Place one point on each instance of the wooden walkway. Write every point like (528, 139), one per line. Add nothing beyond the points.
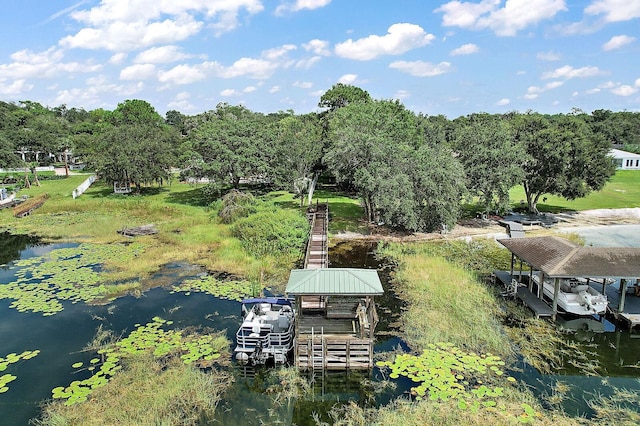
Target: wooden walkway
(539, 307)
(317, 255)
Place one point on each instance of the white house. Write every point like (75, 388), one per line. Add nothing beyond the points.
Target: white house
(625, 160)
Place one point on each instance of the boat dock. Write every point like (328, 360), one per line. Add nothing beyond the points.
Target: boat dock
(538, 306)
(336, 314)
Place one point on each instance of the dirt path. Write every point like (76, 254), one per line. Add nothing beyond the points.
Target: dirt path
(491, 229)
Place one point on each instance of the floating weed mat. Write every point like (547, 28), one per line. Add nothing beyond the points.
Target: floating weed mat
(446, 372)
(200, 350)
(12, 358)
(233, 290)
(72, 274)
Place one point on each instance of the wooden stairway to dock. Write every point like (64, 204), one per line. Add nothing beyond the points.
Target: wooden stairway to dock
(317, 255)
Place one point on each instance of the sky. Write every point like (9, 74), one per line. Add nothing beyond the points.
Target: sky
(437, 57)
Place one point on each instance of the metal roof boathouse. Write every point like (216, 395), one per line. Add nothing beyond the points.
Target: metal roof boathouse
(555, 258)
(336, 317)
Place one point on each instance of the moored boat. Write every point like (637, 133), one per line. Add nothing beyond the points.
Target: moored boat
(576, 297)
(266, 332)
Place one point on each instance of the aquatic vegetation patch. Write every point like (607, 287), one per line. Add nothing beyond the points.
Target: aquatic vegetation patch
(67, 274)
(12, 358)
(199, 350)
(147, 391)
(444, 371)
(233, 290)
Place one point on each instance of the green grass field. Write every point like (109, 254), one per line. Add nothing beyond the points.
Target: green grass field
(622, 191)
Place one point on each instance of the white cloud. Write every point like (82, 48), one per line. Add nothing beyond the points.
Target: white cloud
(181, 102)
(421, 68)
(617, 42)
(299, 5)
(503, 102)
(465, 49)
(637, 83)
(568, 72)
(308, 63)
(401, 94)
(318, 47)
(534, 91)
(399, 39)
(303, 84)
(121, 35)
(348, 79)
(127, 25)
(94, 91)
(229, 92)
(46, 64)
(117, 58)
(138, 72)
(505, 20)
(256, 68)
(275, 89)
(624, 90)
(182, 74)
(249, 89)
(548, 56)
(161, 55)
(15, 88)
(614, 10)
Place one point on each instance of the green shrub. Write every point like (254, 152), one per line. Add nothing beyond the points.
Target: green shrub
(272, 231)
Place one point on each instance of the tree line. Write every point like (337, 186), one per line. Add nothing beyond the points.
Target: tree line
(411, 171)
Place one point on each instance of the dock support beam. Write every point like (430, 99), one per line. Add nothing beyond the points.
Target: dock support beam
(623, 293)
(556, 290)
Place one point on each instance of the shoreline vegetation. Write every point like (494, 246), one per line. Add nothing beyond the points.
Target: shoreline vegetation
(447, 301)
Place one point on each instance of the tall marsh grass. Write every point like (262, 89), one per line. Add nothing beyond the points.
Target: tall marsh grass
(146, 392)
(446, 303)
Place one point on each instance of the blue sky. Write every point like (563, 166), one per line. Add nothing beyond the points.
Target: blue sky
(437, 57)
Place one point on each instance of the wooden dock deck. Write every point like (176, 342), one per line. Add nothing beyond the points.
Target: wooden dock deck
(539, 307)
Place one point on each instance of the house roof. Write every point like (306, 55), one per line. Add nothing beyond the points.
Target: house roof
(560, 258)
(618, 153)
(334, 281)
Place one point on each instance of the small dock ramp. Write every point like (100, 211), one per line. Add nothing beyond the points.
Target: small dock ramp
(514, 229)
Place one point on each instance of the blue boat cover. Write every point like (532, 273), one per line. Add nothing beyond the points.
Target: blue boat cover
(271, 300)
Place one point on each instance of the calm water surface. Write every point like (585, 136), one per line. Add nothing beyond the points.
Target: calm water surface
(62, 337)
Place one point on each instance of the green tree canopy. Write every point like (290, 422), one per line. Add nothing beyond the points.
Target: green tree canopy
(229, 145)
(563, 157)
(491, 159)
(341, 95)
(378, 146)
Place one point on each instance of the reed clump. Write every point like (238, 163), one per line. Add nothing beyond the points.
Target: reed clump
(146, 392)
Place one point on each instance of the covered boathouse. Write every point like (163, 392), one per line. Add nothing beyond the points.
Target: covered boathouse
(336, 317)
(555, 258)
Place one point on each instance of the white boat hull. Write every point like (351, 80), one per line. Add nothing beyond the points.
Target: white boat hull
(581, 299)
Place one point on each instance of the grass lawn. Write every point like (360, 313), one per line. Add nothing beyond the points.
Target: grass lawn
(345, 211)
(622, 191)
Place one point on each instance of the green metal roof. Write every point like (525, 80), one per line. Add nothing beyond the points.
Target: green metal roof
(333, 281)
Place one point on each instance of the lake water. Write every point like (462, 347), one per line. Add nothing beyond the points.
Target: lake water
(61, 338)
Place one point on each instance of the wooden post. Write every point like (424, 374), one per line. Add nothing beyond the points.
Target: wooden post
(541, 286)
(513, 258)
(531, 279)
(623, 293)
(556, 290)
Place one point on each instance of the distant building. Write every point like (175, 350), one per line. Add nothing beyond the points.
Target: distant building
(625, 160)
